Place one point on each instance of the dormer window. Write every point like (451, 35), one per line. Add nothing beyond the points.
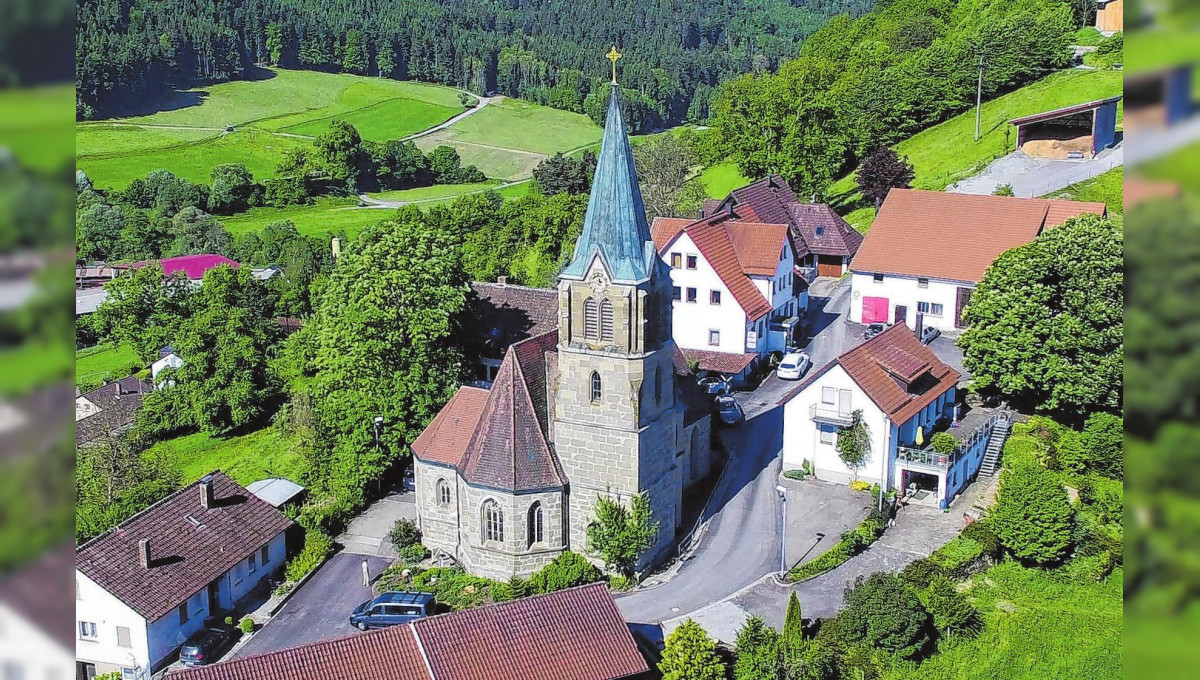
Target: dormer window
(820, 231)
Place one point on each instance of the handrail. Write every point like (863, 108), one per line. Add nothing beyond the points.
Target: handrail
(943, 460)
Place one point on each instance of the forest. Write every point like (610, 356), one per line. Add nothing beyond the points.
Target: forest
(546, 51)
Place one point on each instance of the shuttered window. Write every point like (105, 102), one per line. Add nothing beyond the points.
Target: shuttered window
(591, 319)
(606, 321)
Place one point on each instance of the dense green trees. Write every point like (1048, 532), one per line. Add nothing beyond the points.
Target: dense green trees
(861, 84)
(1032, 516)
(559, 174)
(689, 654)
(667, 178)
(142, 310)
(758, 654)
(621, 534)
(883, 613)
(1045, 323)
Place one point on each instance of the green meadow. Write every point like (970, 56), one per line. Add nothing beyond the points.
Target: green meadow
(246, 458)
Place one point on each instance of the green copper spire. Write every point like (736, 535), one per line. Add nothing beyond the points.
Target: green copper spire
(614, 227)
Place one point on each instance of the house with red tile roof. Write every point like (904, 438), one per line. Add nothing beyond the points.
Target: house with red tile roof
(735, 294)
(824, 243)
(927, 250)
(574, 634)
(902, 390)
(145, 585)
(585, 402)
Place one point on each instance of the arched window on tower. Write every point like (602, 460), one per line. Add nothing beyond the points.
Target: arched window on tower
(596, 391)
(534, 532)
(591, 319)
(606, 321)
(443, 492)
(493, 522)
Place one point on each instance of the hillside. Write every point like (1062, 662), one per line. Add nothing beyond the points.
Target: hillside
(948, 152)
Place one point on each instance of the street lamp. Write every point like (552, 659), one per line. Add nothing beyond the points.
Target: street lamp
(378, 423)
(783, 521)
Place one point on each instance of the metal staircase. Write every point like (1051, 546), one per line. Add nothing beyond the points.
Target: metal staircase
(991, 455)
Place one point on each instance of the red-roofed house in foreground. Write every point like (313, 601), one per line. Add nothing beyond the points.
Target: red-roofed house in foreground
(927, 250)
(575, 634)
(904, 392)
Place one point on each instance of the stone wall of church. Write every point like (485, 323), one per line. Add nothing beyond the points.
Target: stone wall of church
(438, 521)
(500, 560)
(697, 461)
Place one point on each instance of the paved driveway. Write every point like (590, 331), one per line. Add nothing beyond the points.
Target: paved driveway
(320, 609)
(367, 533)
(1037, 176)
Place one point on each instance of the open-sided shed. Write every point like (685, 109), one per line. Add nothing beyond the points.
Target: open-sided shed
(1158, 98)
(1079, 131)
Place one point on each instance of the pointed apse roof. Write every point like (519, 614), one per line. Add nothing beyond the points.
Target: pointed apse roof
(614, 227)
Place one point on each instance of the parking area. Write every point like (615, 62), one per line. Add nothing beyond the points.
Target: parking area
(320, 608)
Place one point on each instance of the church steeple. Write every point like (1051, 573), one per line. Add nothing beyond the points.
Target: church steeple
(614, 227)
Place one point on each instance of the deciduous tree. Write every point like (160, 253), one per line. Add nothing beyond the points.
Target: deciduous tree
(882, 171)
(667, 176)
(881, 611)
(620, 535)
(689, 654)
(854, 442)
(758, 654)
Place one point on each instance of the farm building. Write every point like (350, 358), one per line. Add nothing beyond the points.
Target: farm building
(1157, 99)
(1079, 131)
(1110, 16)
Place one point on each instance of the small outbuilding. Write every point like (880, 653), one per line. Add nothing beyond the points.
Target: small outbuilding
(1110, 16)
(1158, 99)
(276, 491)
(1079, 131)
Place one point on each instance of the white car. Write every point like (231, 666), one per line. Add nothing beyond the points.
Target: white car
(793, 366)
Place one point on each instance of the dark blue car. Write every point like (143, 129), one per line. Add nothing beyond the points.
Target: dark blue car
(391, 609)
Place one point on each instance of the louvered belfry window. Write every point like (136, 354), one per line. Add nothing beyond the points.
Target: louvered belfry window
(606, 321)
(591, 319)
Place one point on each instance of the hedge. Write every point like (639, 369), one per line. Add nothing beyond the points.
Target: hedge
(851, 543)
(317, 546)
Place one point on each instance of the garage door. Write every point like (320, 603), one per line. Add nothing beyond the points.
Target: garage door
(875, 310)
(829, 265)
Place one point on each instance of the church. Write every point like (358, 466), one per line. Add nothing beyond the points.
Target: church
(507, 478)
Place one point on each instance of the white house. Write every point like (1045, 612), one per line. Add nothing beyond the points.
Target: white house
(736, 296)
(902, 389)
(34, 643)
(144, 586)
(167, 358)
(927, 250)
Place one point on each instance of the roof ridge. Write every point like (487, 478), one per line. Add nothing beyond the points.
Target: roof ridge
(120, 525)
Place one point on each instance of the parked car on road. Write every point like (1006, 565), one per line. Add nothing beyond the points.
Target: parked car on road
(929, 334)
(205, 645)
(392, 608)
(874, 329)
(729, 411)
(714, 386)
(793, 366)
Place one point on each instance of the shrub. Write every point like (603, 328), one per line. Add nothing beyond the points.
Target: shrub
(944, 443)
(621, 583)
(958, 554)
(393, 577)
(1091, 569)
(883, 612)
(455, 589)
(851, 543)
(1033, 516)
(413, 553)
(1104, 440)
(981, 532)
(1023, 450)
(950, 609)
(796, 474)
(229, 620)
(920, 573)
(317, 547)
(859, 485)
(568, 570)
(689, 654)
(404, 534)
(247, 625)
(1004, 190)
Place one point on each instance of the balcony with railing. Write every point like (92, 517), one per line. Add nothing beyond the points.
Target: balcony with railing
(829, 415)
(926, 458)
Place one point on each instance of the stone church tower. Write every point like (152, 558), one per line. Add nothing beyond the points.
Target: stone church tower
(617, 425)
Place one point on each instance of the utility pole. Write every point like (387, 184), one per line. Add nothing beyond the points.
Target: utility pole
(783, 539)
(979, 98)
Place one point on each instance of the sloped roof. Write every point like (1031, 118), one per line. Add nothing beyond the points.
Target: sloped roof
(190, 545)
(955, 236)
(819, 230)
(757, 246)
(508, 313)
(118, 402)
(899, 374)
(574, 634)
(1065, 111)
(720, 362)
(192, 266)
(499, 438)
(35, 591)
(768, 198)
(614, 227)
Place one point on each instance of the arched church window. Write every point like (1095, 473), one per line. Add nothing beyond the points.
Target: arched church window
(443, 492)
(493, 522)
(606, 321)
(596, 386)
(591, 319)
(534, 533)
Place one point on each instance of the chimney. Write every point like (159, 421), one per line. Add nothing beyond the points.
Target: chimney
(206, 492)
(502, 280)
(336, 246)
(920, 324)
(144, 552)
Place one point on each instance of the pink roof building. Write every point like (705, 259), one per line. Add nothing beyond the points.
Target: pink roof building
(192, 266)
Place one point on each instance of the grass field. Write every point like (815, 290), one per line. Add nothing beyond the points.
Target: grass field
(269, 115)
(1036, 626)
(96, 364)
(1182, 167)
(327, 215)
(245, 458)
(35, 124)
(720, 179)
(946, 153)
(33, 364)
(1107, 188)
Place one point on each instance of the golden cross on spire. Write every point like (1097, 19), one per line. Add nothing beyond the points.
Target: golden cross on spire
(613, 55)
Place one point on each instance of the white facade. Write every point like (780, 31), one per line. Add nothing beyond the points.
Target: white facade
(29, 651)
(113, 637)
(834, 396)
(171, 360)
(937, 299)
(706, 315)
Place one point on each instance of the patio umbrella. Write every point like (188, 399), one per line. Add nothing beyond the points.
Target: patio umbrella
(920, 435)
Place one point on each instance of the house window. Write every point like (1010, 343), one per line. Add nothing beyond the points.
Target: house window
(606, 321)
(123, 639)
(714, 297)
(930, 308)
(591, 319)
(443, 492)
(128, 674)
(676, 260)
(252, 564)
(691, 294)
(877, 278)
(183, 613)
(676, 293)
(691, 261)
(595, 386)
(714, 338)
(493, 522)
(87, 631)
(828, 435)
(828, 395)
(922, 283)
(534, 528)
